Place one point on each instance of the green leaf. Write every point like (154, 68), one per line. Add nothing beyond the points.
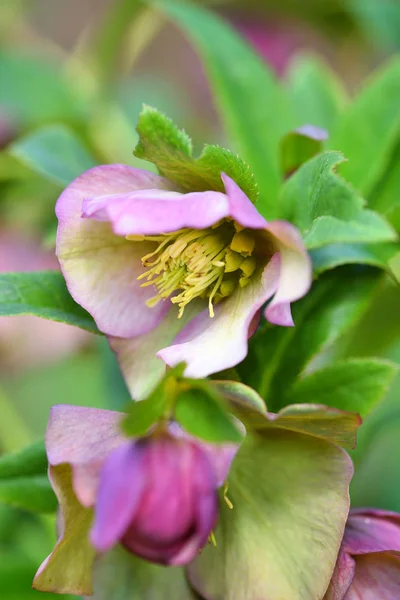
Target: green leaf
(31, 460)
(36, 90)
(285, 488)
(369, 129)
(317, 94)
(278, 355)
(251, 103)
(170, 149)
(54, 152)
(142, 415)
(386, 195)
(355, 385)
(201, 411)
(380, 19)
(335, 255)
(326, 209)
(300, 145)
(369, 227)
(122, 576)
(42, 294)
(30, 493)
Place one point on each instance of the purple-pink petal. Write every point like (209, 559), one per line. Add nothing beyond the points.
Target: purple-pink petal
(372, 531)
(211, 345)
(241, 209)
(122, 481)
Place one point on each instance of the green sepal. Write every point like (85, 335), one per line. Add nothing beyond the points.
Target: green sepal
(170, 149)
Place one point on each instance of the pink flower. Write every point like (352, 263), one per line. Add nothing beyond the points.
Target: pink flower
(158, 497)
(174, 277)
(368, 567)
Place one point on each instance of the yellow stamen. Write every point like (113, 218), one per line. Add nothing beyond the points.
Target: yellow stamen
(198, 263)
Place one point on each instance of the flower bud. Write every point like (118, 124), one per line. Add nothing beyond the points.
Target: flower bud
(158, 497)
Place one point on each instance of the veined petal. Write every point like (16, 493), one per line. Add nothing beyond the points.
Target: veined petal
(377, 577)
(296, 272)
(83, 438)
(342, 577)
(209, 345)
(372, 531)
(152, 211)
(137, 357)
(122, 481)
(100, 268)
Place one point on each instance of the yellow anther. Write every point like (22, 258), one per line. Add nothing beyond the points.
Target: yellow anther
(243, 242)
(225, 493)
(243, 281)
(233, 260)
(248, 266)
(212, 540)
(227, 287)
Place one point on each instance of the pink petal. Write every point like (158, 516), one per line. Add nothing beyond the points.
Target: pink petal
(372, 531)
(342, 577)
(241, 209)
(82, 437)
(153, 211)
(137, 357)
(377, 577)
(100, 268)
(209, 345)
(296, 272)
(122, 481)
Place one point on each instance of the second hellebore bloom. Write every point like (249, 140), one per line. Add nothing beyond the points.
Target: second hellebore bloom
(158, 496)
(172, 276)
(368, 567)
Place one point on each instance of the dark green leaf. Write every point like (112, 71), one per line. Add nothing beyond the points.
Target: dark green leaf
(170, 149)
(335, 255)
(202, 413)
(355, 385)
(54, 152)
(31, 460)
(30, 493)
(251, 103)
(42, 294)
(278, 355)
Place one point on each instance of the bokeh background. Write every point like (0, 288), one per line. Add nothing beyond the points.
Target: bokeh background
(87, 66)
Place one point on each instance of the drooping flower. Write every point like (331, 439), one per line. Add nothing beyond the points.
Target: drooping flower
(288, 468)
(156, 496)
(172, 276)
(368, 567)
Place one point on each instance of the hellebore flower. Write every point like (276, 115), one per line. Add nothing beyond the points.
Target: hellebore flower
(288, 482)
(368, 567)
(156, 496)
(172, 276)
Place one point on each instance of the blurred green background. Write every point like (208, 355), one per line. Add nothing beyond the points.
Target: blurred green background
(87, 66)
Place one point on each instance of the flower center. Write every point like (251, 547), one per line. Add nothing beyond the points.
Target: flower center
(199, 263)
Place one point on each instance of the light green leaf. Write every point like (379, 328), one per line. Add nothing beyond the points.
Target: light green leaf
(369, 227)
(278, 355)
(170, 149)
(317, 94)
(369, 129)
(30, 493)
(122, 576)
(251, 103)
(328, 210)
(201, 411)
(42, 294)
(54, 152)
(335, 255)
(290, 502)
(36, 90)
(355, 385)
(31, 460)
